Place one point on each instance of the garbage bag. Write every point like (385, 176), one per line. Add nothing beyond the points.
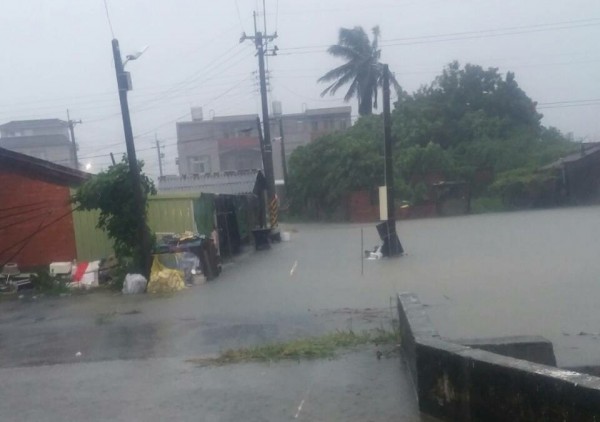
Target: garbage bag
(134, 283)
(163, 279)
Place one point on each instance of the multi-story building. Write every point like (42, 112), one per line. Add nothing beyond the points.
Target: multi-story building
(231, 143)
(302, 128)
(47, 139)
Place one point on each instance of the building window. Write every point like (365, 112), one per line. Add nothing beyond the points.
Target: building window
(315, 126)
(342, 124)
(199, 164)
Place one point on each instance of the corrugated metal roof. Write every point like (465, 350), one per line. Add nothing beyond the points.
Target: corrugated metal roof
(225, 184)
(574, 157)
(40, 169)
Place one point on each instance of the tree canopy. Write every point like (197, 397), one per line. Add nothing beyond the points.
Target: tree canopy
(111, 192)
(362, 69)
(467, 120)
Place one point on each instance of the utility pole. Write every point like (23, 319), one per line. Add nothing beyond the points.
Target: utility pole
(261, 201)
(72, 124)
(391, 242)
(160, 170)
(124, 85)
(261, 40)
(283, 160)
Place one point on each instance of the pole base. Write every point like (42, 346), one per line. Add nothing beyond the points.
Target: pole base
(391, 243)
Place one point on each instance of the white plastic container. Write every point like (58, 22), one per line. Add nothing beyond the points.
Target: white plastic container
(60, 268)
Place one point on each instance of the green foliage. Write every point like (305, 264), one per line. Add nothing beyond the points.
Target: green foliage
(308, 348)
(469, 121)
(111, 192)
(323, 172)
(487, 204)
(524, 187)
(415, 162)
(43, 282)
(362, 69)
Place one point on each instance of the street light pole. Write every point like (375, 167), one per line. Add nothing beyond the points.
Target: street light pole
(124, 85)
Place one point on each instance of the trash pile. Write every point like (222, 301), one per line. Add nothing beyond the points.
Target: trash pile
(193, 254)
(12, 280)
(179, 260)
(77, 275)
(374, 254)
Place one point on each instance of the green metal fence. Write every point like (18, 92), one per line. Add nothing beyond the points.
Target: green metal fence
(166, 214)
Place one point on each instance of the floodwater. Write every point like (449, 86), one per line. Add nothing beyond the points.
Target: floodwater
(522, 273)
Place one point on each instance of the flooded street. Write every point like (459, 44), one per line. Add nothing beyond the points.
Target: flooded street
(522, 273)
(525, 273)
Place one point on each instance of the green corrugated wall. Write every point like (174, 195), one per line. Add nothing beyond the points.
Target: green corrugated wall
(171, 214)
(92, 243)
(166, 213)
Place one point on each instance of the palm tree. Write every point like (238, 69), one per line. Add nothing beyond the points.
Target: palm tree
(362, 69)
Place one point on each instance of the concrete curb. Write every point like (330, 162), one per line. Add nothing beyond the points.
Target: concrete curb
(455, 382)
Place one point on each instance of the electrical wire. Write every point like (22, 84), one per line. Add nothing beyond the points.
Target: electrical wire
(237, 8)
(455, 36)
(29, 237)
(112, 33)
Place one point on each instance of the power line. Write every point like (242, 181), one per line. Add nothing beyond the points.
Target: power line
(177, 88)
(186, 114)
(237, 8)
(455, 36)
(545, 26)
(112, 33)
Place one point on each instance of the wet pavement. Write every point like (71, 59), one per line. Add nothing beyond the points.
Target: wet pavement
(105, 356)
(529, 273)
(354, 387)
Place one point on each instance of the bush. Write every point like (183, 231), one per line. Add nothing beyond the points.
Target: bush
(487, 204)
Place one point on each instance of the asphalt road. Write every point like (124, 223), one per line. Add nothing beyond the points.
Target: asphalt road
(106, 356)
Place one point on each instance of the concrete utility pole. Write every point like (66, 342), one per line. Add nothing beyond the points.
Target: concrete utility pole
(124, 84)
(160, 156)
(261, 40)
(391, 242)
(72, 124)
(283, 159)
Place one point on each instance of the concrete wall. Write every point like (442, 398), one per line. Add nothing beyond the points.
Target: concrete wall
(200, 137)
(58, 154)
(459, 383)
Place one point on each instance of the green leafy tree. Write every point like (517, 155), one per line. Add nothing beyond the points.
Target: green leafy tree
(111, 192)
(323, 172)
(469, 124)
(362, 69)
(463, 105)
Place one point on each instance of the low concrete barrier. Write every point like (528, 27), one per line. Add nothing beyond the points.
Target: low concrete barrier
(531, 348)
(455, 382)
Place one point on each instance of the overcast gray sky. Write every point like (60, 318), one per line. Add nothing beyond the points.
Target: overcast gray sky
(57, 55)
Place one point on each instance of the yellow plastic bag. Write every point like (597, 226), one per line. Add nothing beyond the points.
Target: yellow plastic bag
(163, 279)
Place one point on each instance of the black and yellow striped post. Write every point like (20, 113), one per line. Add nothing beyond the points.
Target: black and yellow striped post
(274, 219)
(274, 211)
